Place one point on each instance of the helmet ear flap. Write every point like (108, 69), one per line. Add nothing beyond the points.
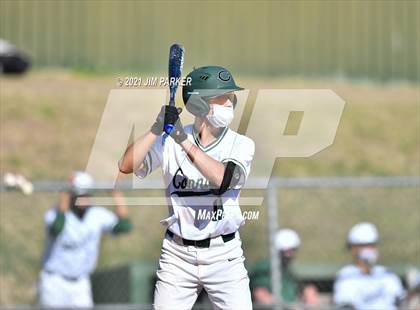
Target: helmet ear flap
(197, 106)
(235, 100)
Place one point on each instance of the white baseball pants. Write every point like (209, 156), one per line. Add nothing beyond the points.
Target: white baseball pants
(56, 292)
(185, 270)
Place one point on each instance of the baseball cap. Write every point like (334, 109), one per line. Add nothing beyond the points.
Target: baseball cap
(82, 183)
(286, 239)
(363, 233)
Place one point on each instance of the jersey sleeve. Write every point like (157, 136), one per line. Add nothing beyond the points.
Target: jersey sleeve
(345, 293)
(241, 154)
(152, 160)
(106, 219)
(50, 216)
(394, 286)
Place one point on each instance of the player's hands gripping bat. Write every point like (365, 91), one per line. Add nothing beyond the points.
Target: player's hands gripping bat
(176, 61)
(177, 132)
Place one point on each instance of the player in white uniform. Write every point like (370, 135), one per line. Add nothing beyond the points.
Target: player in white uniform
(365, 285)
(204, 166)
(73, 238)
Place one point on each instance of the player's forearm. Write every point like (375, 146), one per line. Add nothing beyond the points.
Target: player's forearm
(210, 168)
(136, 152)
(121, 209)
(64, 202)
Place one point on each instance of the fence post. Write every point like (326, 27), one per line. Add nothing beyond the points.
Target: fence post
(274, 256)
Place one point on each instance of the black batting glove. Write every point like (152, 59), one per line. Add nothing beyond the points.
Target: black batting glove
(157, 127)
(178, 133)
(171, 112)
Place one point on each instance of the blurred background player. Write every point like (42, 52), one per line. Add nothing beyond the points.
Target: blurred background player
(74, 232)
(363, 284)
(12, 59)
(287, 242)
(412, 297)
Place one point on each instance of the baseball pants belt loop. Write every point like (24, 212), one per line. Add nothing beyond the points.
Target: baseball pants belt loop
(205, 243)
(70, 279)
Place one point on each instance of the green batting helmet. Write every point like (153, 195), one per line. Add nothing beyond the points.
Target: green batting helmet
(206, 81)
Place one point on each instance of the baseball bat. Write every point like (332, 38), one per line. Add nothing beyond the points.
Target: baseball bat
(176, 61)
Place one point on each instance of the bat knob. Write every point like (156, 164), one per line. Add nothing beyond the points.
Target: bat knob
(168, 128)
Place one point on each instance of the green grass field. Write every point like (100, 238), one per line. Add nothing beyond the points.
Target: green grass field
(49, 121)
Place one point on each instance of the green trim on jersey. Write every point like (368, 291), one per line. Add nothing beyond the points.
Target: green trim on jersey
(211, 145)
(57, 226)
(123, 226)
(149, 164)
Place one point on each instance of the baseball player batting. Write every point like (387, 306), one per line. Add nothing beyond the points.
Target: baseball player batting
(204, 166)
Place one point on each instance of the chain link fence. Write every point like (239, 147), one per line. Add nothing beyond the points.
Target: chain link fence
(366, 39)
(321, 210)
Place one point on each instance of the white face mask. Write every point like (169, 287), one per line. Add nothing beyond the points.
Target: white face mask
(368, 255)
(222, 115)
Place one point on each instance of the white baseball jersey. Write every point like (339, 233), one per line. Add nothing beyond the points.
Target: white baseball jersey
(74, 252)
(377, 290)
(195, 212)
